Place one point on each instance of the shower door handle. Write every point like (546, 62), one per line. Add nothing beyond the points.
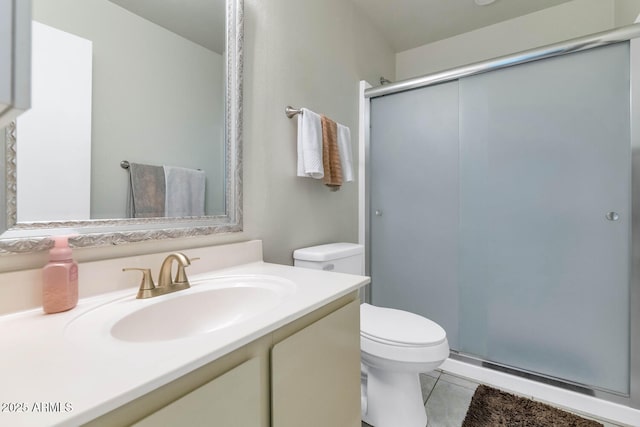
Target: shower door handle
(612, 216)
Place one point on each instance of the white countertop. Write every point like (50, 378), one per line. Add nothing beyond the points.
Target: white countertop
(49, 379)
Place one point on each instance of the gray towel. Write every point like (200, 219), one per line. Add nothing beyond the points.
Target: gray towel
(146, 191)
(184, 191)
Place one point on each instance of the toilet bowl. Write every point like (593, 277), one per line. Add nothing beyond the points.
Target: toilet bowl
(396, 346)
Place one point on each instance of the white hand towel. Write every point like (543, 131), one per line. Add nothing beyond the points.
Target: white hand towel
(310, 145)
(344, 148)
(184, 191)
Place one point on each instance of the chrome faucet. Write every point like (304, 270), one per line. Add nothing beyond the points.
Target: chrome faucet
(166, 284)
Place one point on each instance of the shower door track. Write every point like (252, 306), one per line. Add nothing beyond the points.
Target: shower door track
(557, 49)
(545, 379)
(622, 34)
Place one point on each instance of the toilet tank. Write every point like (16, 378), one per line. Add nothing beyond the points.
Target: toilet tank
(337, 257)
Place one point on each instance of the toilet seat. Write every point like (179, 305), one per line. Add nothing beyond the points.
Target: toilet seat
(398, 339)
(398, 343)
(399, 328)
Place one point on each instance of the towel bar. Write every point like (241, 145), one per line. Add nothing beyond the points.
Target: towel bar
(125, 165)
(291, 112)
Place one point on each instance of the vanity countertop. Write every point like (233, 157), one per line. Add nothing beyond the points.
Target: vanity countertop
(49, 379)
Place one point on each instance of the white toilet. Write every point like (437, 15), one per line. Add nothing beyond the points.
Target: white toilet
(395, 345)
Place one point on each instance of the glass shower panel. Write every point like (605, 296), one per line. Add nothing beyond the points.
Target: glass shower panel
(414, 203)
(545, 217)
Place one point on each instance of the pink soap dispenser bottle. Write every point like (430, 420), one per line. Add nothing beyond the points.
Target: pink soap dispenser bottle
(60, 278)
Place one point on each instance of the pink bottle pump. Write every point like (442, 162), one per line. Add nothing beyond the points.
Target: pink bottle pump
(60, 278)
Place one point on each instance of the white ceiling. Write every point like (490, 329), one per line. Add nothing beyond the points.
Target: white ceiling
(411, 23)
(405, 23)
(201, 22)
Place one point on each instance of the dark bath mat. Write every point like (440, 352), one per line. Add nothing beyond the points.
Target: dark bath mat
(492, 408)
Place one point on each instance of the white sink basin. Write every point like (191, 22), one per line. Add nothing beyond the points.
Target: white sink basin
(209, 305)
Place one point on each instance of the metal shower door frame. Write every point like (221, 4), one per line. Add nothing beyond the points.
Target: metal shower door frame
(622, 34)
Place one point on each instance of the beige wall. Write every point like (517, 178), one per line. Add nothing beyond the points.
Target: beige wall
(626, 12)
(311, 56)
(559, 23)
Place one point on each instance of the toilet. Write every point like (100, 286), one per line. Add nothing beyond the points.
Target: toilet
(395, 345)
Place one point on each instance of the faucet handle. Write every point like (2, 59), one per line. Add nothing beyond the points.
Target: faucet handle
(146, 285)
(181, 275)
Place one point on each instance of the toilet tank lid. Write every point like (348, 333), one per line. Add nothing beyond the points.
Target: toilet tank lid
(328, 252)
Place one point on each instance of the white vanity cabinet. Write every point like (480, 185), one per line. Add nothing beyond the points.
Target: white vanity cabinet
(15, 59)
(306, 373)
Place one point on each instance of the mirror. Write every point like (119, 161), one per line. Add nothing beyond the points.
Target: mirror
(122, 87)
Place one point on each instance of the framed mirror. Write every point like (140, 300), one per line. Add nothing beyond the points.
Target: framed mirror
(135, 103)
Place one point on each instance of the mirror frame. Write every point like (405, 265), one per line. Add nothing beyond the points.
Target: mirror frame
(25, 237)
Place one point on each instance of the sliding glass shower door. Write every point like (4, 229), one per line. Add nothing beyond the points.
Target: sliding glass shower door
(504, 213)
(414, 203)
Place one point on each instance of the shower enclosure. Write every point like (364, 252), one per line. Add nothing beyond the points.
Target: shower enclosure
(500, 199)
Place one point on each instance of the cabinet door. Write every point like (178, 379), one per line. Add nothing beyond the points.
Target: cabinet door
(15, 58)
(6, 24)
(315, 373)
(231, 400)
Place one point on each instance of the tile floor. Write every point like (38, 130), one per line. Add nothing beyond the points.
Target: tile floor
(447, 398)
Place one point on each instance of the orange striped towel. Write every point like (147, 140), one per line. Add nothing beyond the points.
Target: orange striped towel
(330, 154)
